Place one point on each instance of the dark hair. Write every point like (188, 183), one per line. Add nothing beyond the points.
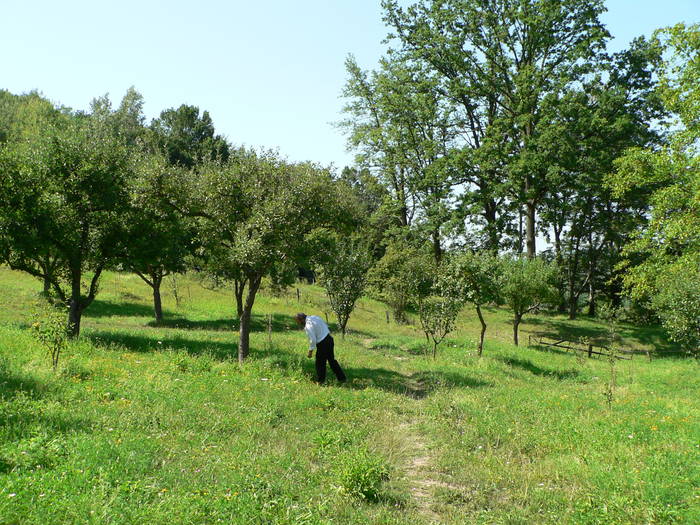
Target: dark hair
(301, 316)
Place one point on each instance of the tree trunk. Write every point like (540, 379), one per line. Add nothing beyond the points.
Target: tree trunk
(530, 219)
(561, 307)
(490, 214)
(591, 298)
(47, 285)
(244, 327)
(573, 304)
(244, 335)
(521, 244)
(437, 248)
(75, 309)
(483, 329)
(591, 272)
(239, 288)
(157, 303)
(516, 324)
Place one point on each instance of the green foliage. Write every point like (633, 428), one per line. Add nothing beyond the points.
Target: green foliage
(255, 215)
(437, 317)
(161, 237)
(474, 278)
(526, 285)
(498, 62)
(343, 274)
(671, 243)
(63, 196)
(402, 277)
(361, 474)
(187, 138)
(403, 129)
(677, 302)
(49, 327)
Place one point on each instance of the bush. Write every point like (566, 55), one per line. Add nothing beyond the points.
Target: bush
(49, 328)
(193, 364)
(361, 474)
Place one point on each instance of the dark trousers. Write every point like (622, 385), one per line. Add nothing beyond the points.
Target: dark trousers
(324, 352)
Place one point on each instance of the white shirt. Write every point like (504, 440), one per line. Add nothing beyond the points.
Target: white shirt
(316, 329)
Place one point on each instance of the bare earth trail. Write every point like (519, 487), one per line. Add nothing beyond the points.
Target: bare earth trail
(421, 474)
(419, 470)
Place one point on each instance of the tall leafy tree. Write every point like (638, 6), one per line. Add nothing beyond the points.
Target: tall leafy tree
(670, 244)
(473, 278)
(186, 138)
(68, 187)
(404, 130)
(510, 54)
(255, 214)
(588, 128)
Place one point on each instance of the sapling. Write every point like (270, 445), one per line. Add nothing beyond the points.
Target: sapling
(610, 315)
(49, 328)
(474, 278)
(437, 318)
(344, 274)
(526, 285)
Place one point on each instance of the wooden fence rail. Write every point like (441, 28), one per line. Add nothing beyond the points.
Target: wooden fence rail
(576, 346)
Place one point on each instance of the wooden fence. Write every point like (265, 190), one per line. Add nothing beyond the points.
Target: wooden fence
(591, 349)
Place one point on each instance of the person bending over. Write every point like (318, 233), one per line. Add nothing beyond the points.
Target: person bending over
(320, 339)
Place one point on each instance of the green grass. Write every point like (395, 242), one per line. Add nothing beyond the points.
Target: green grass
(159, 424)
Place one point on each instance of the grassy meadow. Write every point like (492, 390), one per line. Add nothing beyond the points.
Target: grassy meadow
(159, 424)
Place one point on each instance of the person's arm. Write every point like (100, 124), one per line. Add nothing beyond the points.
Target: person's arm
(312, 339)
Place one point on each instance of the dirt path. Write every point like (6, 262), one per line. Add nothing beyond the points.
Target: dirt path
(421, 475)
(420, 470)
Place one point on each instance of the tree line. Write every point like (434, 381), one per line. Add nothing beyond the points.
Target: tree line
(83, 192)
(490, 124)
(486, 125)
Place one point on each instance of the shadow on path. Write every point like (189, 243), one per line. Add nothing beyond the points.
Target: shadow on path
(417, 385)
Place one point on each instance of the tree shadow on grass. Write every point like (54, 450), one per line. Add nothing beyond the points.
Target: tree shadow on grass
(22, 416)
(12, 385)
(417, 385)
(100, 308)
(636, 336)
(147, 343)
(258, 323)
(529, 366)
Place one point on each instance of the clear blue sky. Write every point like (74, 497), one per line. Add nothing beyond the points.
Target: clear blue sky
(269, 72)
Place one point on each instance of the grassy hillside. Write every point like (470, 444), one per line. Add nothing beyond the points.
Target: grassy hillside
(159, 424)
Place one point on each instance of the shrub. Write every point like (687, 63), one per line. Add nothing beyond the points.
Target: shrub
(49, 328)
(361, 474)
(193, 364)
